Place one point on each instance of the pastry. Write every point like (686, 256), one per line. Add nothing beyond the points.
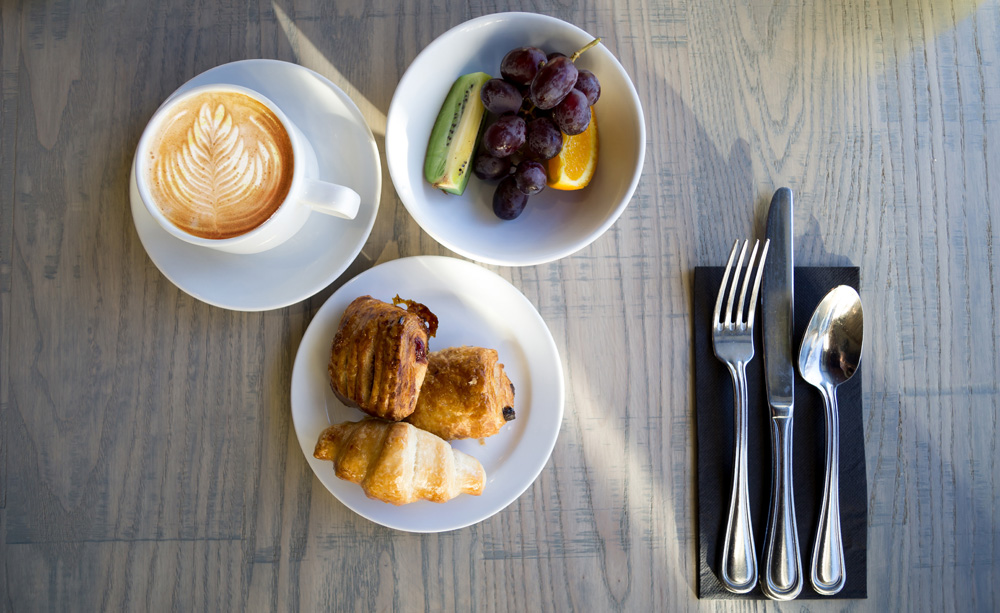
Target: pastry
(399, 463)
(379, 356)
(466, 394)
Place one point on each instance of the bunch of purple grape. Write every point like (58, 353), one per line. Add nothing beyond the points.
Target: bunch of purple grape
(540, 98)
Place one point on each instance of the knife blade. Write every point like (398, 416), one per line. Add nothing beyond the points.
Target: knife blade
(778, 305)
(782, 566)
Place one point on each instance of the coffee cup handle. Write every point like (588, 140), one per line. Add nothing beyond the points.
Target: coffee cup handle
(331, 198)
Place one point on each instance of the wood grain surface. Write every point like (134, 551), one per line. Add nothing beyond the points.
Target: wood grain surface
(148, 460)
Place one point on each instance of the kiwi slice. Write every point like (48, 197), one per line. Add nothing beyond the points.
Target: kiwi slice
(455, 135)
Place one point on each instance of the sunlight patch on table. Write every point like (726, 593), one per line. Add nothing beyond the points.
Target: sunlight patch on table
(312, 58)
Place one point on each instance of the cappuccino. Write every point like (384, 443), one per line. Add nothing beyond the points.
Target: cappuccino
(219, 164)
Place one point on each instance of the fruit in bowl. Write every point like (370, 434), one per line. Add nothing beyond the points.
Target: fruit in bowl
(540, 107)
(555, 222)
(447, 165)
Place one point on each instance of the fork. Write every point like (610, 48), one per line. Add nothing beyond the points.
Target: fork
(732, 339)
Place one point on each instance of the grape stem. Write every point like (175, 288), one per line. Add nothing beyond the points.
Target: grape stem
(584, 48)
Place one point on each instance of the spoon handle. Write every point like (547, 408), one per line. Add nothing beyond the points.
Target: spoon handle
(827, 573)
(739, 558)
(782, 564)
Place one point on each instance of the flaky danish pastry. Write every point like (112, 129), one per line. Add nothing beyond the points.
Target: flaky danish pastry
(398, 463)
(379, 356)
(466, 394)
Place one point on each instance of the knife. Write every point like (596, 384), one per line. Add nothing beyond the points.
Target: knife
(782, 566)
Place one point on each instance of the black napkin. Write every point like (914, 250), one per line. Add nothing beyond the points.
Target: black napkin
(714, 416)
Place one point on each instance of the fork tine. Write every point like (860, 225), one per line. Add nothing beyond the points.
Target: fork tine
(738, 316)
(722, 288)
(756, 283)
(736, 281)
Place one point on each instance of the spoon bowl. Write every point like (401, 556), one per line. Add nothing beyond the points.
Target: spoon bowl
(831, 345)
(830, 355)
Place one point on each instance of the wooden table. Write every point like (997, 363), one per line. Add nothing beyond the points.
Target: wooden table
(148, 459)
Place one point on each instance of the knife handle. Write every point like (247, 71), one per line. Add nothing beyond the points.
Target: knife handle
(827, 570)
(739, 556)
(782, 563)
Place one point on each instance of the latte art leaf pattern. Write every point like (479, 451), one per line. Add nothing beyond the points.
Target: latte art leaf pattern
(215, 169)
(221, 164)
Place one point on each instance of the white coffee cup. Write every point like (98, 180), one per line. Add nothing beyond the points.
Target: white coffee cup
(198, 171)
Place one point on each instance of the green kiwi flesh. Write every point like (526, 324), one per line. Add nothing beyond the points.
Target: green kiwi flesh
(455, 135)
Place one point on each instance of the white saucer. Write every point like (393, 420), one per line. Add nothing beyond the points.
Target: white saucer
(326, 246)
(475, 307)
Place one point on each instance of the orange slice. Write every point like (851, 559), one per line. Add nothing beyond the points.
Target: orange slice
(574, 166)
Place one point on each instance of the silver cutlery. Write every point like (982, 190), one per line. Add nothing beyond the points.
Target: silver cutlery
(830, 355)
(732, 340)
(782, 566)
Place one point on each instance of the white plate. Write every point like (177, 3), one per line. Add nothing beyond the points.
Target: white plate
(475, 307)
(326, 246)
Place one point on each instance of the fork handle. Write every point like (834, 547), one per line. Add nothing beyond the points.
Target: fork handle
(782, 563)
(739, 558)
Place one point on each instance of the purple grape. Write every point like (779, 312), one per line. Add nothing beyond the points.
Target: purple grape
(500, 97)
(544, 139)
(521, 64)
(552, 82)
(505, 136)
(554, 55)
(489, 168)
(589, 85)
(573, 113)
(530, 177)
(508, 201)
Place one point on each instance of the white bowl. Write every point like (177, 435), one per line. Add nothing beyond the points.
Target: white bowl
(555, 223)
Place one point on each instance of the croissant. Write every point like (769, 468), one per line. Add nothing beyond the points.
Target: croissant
(378, 358)
(466, 394)
(398, 463)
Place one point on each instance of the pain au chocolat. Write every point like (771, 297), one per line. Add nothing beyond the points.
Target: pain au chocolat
(466, 394)
(378, 359)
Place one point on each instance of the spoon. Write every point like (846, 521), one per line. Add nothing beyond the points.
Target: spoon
(830, 354)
